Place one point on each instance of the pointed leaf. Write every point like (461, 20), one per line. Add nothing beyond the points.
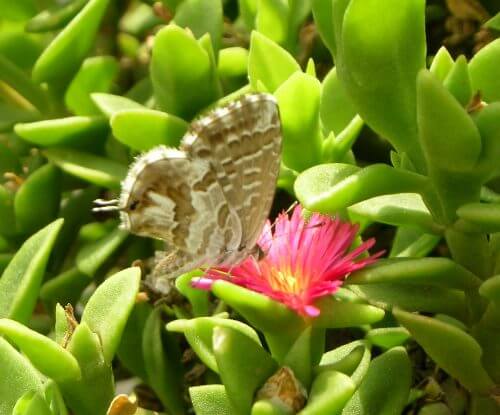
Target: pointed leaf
(21, 280)
(108, 308)
(209, 400)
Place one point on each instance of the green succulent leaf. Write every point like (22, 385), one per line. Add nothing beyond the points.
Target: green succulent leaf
(198, 298)
(46, 355)
(450, 139)
(483, 67)
(93, 255)
(21, 280)
(268, 63)
(107, 311)
(378, 60)
(388, 397)
(442, 63)
(397, 210)
(329, 393)
(302, 139)
(199, 334)
(143, 129)
(337, 313)
(55, 17)
(388, 337)
(62, 58)
(210, 399)
(327, 188)
(110, 104)
(241, 373)
(79, 131)
(94, 169)
(202, 16)
(272, 20)
(491, 289)
(458, 82)
(94, 391)
(447, 345)
(352, 359)
(434, 271)
(96, 74)
(412, 242)
(336, 108)
(23, 377)
(42, 189)
(162, 362)
(182, 72)
(31, 403)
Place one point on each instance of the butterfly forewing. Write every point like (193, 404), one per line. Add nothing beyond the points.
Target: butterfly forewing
(242, 142)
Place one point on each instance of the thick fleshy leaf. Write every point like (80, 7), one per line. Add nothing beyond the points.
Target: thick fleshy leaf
(322, 12)
(416, 297)
(450, 140)
(232, 68)
(268, 63)
(272, 20)
(328, 188)
(434, 271)
(199, 299)
(210, 399)
(66, 287)
(21, 280)
(336, 108)
(143, 129)
(378, 60)
(92, 256)
(199, 334)
(329, 393)
(182, 72)
(491, 289)
(388, 337)
(441, 64)
(8, 222)
(387, 397)
(479, 217)
(53, 397)
(45, 354)
(32, 403)
(268, 407)
(302, 139)
(131, 340)
(412, 242)
(96, 74)
(110, 104)
(43, 190)
(281, 331)
(54, 17)
(91, 168)
(488, 124)
(107, 311)
(397, 210)
(241, 373)
(65, 53)
(23, 377)
(162, 362)
(202, 16)
(458, 83)
(91, 394)
(77, 131)
(352, 359)
(16, 78)
(447, 345)
(483, 71)
(337, 313)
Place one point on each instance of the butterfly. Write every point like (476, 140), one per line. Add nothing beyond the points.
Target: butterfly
(210, 199)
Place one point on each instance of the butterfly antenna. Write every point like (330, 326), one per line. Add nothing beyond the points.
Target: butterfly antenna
(102, 205)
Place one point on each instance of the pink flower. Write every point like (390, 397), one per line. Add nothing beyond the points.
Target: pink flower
(304, 260)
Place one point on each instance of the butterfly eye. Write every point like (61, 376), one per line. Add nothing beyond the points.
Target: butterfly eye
(133, 205)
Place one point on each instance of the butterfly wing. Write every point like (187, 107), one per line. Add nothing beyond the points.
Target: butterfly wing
(170, 197)
(242, 143)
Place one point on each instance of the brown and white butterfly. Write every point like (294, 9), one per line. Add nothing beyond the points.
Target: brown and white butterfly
(209, 200)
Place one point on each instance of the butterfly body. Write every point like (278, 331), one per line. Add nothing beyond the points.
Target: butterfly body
(209, 200)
